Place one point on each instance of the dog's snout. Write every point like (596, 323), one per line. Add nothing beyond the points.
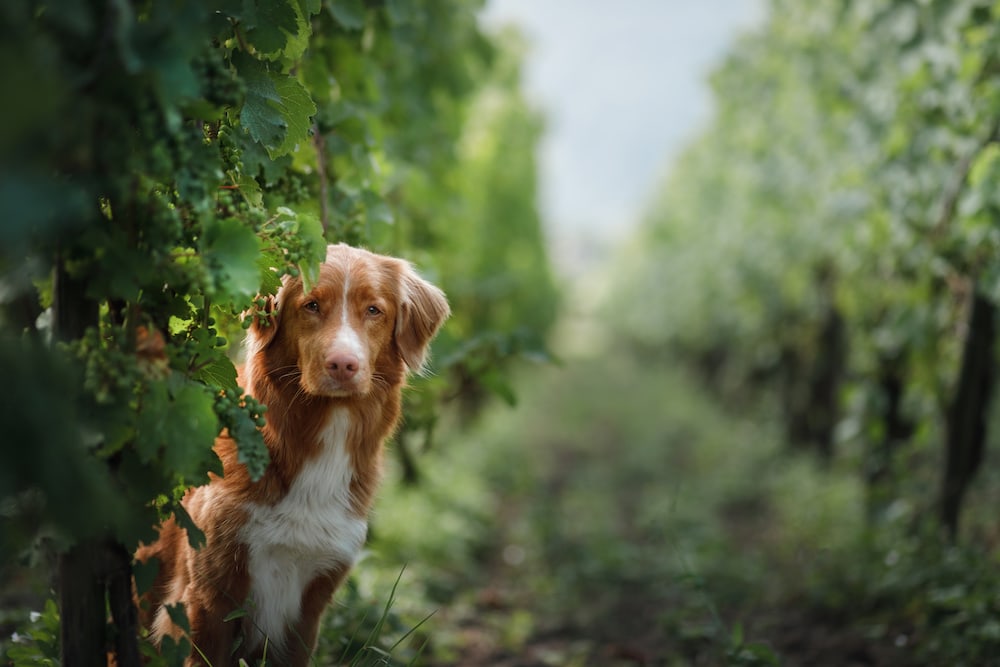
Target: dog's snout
(343, 366)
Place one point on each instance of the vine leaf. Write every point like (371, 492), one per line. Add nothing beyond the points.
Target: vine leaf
(278, 110)
(190, 431)
(279, 29)
(297, 109)
(311, 231)
(179, 425)
(273, 21)
(230, 250)
(218, 372)
(145, 573)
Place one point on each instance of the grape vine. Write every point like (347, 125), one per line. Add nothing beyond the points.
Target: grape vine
(168, 164)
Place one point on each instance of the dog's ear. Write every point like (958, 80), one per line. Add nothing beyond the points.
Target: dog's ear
(263, 316)
(423, 309)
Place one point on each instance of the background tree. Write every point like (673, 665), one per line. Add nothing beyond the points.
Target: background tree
(833, 236)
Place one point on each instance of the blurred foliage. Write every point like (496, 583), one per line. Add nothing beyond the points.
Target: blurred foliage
(168, 162)
(619, 514)
(827, 235)
(805, 280)
(624, 515)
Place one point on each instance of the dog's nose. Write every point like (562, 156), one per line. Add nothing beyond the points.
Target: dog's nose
(342, 367)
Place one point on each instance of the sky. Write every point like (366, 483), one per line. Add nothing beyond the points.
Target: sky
(623, 89)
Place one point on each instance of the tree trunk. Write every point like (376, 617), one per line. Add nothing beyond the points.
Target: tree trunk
(966, 419)
(812, 376)
(81, 587)
(122, 604)
(92, 565)
(824, 385)
(408, 463)
(896, 429)
(82, 605)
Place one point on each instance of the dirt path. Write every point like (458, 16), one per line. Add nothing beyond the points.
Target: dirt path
(645, 535)
(628, 635)
(512, 624)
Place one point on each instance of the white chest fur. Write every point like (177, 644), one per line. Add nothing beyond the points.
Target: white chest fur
(310, 530)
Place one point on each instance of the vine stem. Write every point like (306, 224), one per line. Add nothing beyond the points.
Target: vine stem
(320, 143)
(239, 36)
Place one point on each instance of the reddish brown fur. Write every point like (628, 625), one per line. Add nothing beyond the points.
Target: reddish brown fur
(286, 369)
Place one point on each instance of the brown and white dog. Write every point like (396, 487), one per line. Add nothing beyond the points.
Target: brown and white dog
(330, 366)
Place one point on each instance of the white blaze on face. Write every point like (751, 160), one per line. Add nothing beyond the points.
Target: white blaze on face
(348, 339)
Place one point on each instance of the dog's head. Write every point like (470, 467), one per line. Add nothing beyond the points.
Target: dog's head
(367, 319)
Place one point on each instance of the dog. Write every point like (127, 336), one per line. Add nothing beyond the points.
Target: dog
(330, 365)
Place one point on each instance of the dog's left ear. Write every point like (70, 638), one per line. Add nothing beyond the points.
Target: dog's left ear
(423, 309)
(263, 323)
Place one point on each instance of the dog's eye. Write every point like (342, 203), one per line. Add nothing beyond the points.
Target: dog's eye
(373, 311)
(312, 306)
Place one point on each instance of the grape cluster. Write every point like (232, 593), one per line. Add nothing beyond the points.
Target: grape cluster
(111, 371)
(229, 403)
(260, 312)
(243, 417)
(292, 188)
(195, 343)
(294, 246)
(229, 200)
(229, 148)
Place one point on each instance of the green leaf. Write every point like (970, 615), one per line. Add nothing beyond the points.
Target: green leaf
(258, 164)
(273, 21)
(190, 431)
(270, 281)
(218, 372)
(178, 616)
(151, 420)
(235, 614)
(145, 574)
(260, 115)
(349, 13)
(231, 250)
(250, 444)
(248, 188)
(196, 538)
(297, 109)
(280, 29)
(310, 230)
(278, 109)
